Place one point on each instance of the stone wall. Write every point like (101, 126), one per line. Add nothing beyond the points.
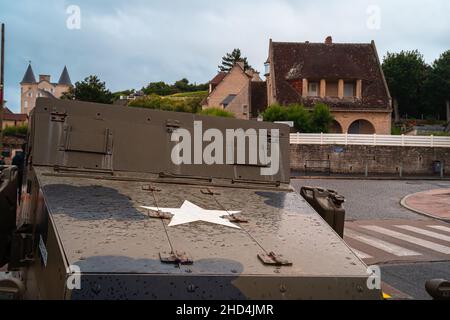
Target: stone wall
(379, 160)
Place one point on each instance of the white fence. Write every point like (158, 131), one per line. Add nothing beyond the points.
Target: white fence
(371, 140)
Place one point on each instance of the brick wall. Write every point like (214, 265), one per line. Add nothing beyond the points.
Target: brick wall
(380, 160)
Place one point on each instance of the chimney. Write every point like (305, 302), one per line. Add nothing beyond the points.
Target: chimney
(44, 77)
(329, 40)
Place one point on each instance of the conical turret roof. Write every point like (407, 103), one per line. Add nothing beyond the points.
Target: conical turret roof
(29, 75)
(64, 79)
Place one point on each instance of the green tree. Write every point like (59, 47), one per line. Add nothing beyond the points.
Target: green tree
(160, 88)
(154, 101)
(181, 86)
(91, 89)
(316, 121)
(16, 130)
(437, 85)
(406, 73)
(275, 112)
(321, 118)
(230, 59)
(301, 117)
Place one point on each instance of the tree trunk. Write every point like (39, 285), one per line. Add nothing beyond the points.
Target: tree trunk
(448, 110)
(396, 111)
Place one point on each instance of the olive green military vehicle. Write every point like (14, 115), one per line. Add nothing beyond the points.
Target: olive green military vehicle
(108, 213)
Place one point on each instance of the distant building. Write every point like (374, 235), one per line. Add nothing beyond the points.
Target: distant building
(239, 91)
(11, 119)
(345, 76)
(123, 100)
(30, 89)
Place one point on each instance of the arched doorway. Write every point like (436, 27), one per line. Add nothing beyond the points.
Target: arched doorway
(361, 127)
(336, 127)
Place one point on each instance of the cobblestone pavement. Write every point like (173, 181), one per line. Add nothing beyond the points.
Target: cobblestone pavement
(375, 199)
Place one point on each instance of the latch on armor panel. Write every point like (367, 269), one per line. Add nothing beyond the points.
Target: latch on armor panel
(172, 125)
(56, 116)
(274, 259)
(159, 215)
(236, 219)
(150, 188)
(210, 192)
(176, 258)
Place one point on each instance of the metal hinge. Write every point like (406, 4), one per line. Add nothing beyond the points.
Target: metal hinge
(58, 116)
(210, 192)
(236, 219)
(274, 259)
(172, 125)
(176, 258)
(150, 188)
(159, 215)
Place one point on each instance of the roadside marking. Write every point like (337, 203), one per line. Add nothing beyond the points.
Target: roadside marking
(382, 245)
(417, 241)
(360, 254)
(425, 232)
(442, 228)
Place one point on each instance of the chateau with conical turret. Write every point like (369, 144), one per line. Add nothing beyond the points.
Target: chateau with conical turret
(31, 89)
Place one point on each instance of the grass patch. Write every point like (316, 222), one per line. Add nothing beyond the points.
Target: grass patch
(216, 112)
(195, 94)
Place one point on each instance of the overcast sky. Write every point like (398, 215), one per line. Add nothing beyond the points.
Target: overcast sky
(130, 43)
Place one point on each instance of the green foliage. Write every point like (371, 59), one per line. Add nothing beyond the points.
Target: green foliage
(316, 121)
(275, 113)
(439, 134)
(301, 117)
(16, 131)
(191, 105)
(230, 59)
(396, 131)
(437, 86)
(160, 88)
(405, 74)
(321, 118)
(217, 112)
(195, 94)
(91, 89)
(182, 86)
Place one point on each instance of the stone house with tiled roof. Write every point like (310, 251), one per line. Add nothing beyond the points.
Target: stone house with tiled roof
(235, 91)
(11, 119)
(30, 89)
(345, 76)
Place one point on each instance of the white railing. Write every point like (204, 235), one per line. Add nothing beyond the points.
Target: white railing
(371, 140)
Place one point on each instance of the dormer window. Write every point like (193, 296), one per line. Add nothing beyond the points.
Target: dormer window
(313, 89)
(349, 89)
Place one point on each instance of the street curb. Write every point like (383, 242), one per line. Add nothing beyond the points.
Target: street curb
(426, 214)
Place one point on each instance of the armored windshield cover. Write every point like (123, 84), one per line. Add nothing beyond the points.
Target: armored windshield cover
(113, 138)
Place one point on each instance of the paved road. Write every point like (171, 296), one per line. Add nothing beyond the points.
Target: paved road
(399, 241)
(375, 199)
(411, 248)
(410, 278)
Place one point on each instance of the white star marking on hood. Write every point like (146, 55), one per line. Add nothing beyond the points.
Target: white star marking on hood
(190, 212)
